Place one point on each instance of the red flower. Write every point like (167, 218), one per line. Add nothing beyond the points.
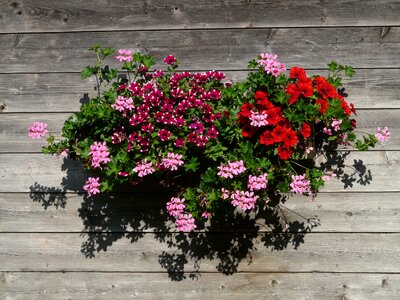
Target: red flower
(324, 105)
(260, 95)
(294, 93)
(248, 131)
(279, 133)
(305, 130)
(353, 109)
(305, 87)
(290, 138)
(318, 81)
(296, 72)
(266, 138)
(353, 123)
(284, 152)
(327, 90)
(274, 115)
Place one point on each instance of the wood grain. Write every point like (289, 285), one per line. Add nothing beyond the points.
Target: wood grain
(228, 49)
(57, 16)
(299, 286)
(45, 212)
(13, 128)
(378, 171)
(63, 92)
(113, 252)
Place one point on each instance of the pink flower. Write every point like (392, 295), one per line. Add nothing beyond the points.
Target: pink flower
(123, 104)
(92, 186)
(225, 193)
(124, 55)
(143, 168)
(231, 169)
(172, 161)
(63, 153)
(170, 60)
(327, 131)
(257, 182)
(258, 119)
(244, 199)
(336, 124)
(99, 153)
(185, 223)
(328, 176)
(164, 135)
(175, 206)
(383, 134)
(37, 130)
(206, 215)
(300, 184)
(271, 64)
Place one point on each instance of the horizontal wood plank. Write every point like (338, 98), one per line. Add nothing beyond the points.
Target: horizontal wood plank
(133, 212)
(64, 92)
(99, 286)
(14, 138)
(113, 252)
(230, 49)
(58, 16)
(373, 171)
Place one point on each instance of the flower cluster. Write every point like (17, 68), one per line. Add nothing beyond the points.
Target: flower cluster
(230, 148)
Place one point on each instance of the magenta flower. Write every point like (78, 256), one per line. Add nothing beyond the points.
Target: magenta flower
(383, 134)
(175, 206)
(92, 186)
(185, 223)
(170, 60)
(179, 143)
(244, 199)
(143, 168)
(99, 153)
(300, 184)
(37, 130)
(124, 55)
(164, 135)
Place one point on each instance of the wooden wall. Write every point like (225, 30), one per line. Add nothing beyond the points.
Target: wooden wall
(56, 245)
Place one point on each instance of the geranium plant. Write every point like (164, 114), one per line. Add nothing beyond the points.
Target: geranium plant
(243, 143)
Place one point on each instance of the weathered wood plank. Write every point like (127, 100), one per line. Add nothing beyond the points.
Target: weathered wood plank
(337, 212)
(228, 49)
(58, 16)
(13, 128)
(378, 171)
(62, 92)
(113, 252)
(299, 286)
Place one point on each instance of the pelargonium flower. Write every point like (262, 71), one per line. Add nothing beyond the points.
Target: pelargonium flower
(175, 206)
(258, 119)
(336, 124)
(92, 185)
(244, 199)
(99, 153)
(124, 55)
(170, 60)
(300, 184)
(172, 161)
(37, 130)
(225, 193)
(231, 169)
(271, 64)
(257, 182)
(123, 104)
(144, 168)
(383, 134)
(185, 222)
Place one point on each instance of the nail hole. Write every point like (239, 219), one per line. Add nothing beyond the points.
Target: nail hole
(19, 12)
(65, 20)
(14, 4)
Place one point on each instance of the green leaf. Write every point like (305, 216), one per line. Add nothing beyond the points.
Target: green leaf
(107, 51)
(88, 71)
(94, 47)
(192, 165)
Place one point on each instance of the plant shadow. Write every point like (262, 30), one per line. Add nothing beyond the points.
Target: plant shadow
(226, 242)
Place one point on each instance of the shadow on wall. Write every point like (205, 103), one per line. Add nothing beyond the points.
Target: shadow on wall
(228, 241)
